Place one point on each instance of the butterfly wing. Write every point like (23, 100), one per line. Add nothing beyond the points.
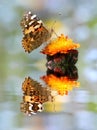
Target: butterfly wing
(34, 32)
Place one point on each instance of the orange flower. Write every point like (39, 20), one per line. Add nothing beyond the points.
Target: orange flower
(60, 45)
(62, 85)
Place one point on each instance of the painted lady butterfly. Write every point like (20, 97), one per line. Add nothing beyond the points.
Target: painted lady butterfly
(34, 32)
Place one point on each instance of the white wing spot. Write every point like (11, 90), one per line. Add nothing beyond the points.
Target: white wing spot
(40, 21)
(31, 22)
(37, 26)
(33, 16)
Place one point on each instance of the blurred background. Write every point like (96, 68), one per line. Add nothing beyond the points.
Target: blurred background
(78, 20)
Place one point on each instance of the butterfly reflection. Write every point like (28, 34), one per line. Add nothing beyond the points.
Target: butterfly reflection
(34, 95)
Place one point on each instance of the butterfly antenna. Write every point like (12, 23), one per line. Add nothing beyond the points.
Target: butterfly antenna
(52, 29)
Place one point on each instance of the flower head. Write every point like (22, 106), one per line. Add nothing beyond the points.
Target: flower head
(60, 45)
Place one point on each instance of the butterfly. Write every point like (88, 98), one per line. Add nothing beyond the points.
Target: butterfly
(35, 33)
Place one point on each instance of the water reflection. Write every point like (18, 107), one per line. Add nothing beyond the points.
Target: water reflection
(61, 77)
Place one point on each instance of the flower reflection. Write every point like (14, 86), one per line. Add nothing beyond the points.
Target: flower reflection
(60, 84)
